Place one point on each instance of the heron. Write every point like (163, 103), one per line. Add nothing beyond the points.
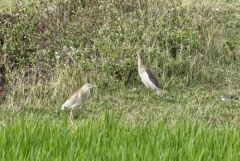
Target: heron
(147, 77)
(77, 99)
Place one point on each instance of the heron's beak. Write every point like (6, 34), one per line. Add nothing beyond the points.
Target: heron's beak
(93, 86)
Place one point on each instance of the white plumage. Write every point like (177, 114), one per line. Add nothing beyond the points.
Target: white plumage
(146, 80)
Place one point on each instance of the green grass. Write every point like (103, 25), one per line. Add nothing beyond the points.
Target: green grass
(108, 140)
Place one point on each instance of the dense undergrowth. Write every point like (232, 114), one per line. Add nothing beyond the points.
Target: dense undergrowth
(49, 49)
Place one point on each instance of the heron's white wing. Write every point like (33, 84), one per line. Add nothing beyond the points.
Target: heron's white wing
(147, 81)
(69, 103)
(153, 78)
(66, 104)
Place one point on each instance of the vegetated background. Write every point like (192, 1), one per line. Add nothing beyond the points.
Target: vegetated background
(50, 48)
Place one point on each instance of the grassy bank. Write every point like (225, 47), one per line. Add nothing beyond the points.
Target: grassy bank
(187, 44)
(136, 106)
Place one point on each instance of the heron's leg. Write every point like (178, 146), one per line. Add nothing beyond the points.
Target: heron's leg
(71, 116)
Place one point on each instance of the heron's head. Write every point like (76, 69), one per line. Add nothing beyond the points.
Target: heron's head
(88, 85)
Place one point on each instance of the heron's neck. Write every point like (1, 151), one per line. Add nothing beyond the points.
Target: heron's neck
(139, 61)
(85, 89)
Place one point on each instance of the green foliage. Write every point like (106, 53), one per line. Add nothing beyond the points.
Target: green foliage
(51, 48)
(168, 33)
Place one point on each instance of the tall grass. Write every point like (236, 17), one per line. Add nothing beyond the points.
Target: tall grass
(107, 140)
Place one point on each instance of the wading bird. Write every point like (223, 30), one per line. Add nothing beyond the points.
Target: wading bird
(78, 98)
(147, 77)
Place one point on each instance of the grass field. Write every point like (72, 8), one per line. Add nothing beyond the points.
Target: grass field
(48, 49)
(28, 139)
